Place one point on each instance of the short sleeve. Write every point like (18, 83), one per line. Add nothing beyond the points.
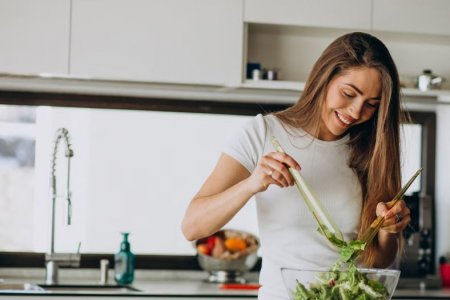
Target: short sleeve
(247, 145)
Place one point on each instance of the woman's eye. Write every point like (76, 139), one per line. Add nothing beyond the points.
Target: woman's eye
(371, 104)
(348, 95)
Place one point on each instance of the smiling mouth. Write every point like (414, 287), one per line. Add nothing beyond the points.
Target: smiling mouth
(345, 122)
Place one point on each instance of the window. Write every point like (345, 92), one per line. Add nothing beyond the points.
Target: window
(17, 161)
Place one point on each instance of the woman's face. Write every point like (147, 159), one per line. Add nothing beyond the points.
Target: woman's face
(352, 98)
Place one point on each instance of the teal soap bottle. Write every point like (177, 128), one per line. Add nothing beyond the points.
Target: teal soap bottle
(124, 261)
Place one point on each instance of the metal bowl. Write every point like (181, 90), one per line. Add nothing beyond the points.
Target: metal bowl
(228, 269)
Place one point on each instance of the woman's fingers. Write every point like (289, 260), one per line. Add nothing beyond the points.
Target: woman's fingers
(280, 163)
(396, 218)
(277, 177)
(279, 171)
(382, 209)
(275, 167)
(285, 159)
(398, 226)
(397, 223)
(272, 177)
(281, 178)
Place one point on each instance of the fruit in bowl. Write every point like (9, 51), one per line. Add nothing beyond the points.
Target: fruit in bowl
(227, 254)
(227, 244)
(351, 283)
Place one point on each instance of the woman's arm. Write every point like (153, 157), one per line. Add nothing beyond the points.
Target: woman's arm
(388, 244)
(228, 189)
(396, 220)
(223, 194)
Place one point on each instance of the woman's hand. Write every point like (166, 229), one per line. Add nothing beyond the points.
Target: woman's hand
(273, 168)
(396, 218)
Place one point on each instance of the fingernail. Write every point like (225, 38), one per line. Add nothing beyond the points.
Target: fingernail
(298, 168)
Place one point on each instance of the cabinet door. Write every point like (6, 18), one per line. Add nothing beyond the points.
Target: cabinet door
(34, 36)
(196, 41)
(352, 14)
(414, 16)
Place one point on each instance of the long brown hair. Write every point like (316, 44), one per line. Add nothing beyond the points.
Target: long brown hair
(374, 144)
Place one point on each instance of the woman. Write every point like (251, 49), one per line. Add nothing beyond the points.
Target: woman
(343, 134)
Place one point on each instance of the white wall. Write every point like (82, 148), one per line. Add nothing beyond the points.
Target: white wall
(132, 171)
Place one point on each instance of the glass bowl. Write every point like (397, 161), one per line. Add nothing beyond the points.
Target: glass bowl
(347, 284)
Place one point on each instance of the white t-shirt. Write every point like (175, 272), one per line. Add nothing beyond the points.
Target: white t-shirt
(287, 229)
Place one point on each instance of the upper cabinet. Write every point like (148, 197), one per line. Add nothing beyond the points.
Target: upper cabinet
(412, 16)
(403, 16)
(288, 36)
(34, 36)
(193, 42)
(319, 13)
(210, 42)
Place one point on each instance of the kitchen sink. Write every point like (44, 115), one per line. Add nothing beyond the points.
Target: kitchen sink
(20, 287)
(86, 288)
(66, 288)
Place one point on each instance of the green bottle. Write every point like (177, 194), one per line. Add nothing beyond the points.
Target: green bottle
(124, 262)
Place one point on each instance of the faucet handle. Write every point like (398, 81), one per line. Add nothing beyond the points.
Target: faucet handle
(64, 259)
(104, 267)
(69, 207)
(69, 152)
(79, 247)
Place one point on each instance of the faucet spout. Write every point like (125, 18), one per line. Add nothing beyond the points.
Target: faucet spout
(53, 260)
(61, 134)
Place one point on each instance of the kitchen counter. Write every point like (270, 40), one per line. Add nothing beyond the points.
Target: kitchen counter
(151, 284)
(158, 284)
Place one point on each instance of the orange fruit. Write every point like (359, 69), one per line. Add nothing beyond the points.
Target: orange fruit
(235, 244)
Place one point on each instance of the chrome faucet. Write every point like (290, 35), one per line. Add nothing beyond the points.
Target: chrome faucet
(55, 260)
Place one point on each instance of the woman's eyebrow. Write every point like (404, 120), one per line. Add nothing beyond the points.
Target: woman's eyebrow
(360, 92)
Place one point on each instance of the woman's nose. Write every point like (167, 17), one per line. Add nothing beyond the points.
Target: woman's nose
(355, 110)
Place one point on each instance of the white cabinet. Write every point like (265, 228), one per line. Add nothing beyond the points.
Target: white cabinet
(355, 14)
(407, 16)
(196, 41)
(34, 36)
(412, 16)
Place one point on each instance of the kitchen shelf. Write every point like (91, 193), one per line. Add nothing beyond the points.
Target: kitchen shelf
(293, 50)
(274, 85)
(250, 91)
(440, 95)
(435, 96)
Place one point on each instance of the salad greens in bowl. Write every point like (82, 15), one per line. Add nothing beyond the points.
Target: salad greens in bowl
(335, 284)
